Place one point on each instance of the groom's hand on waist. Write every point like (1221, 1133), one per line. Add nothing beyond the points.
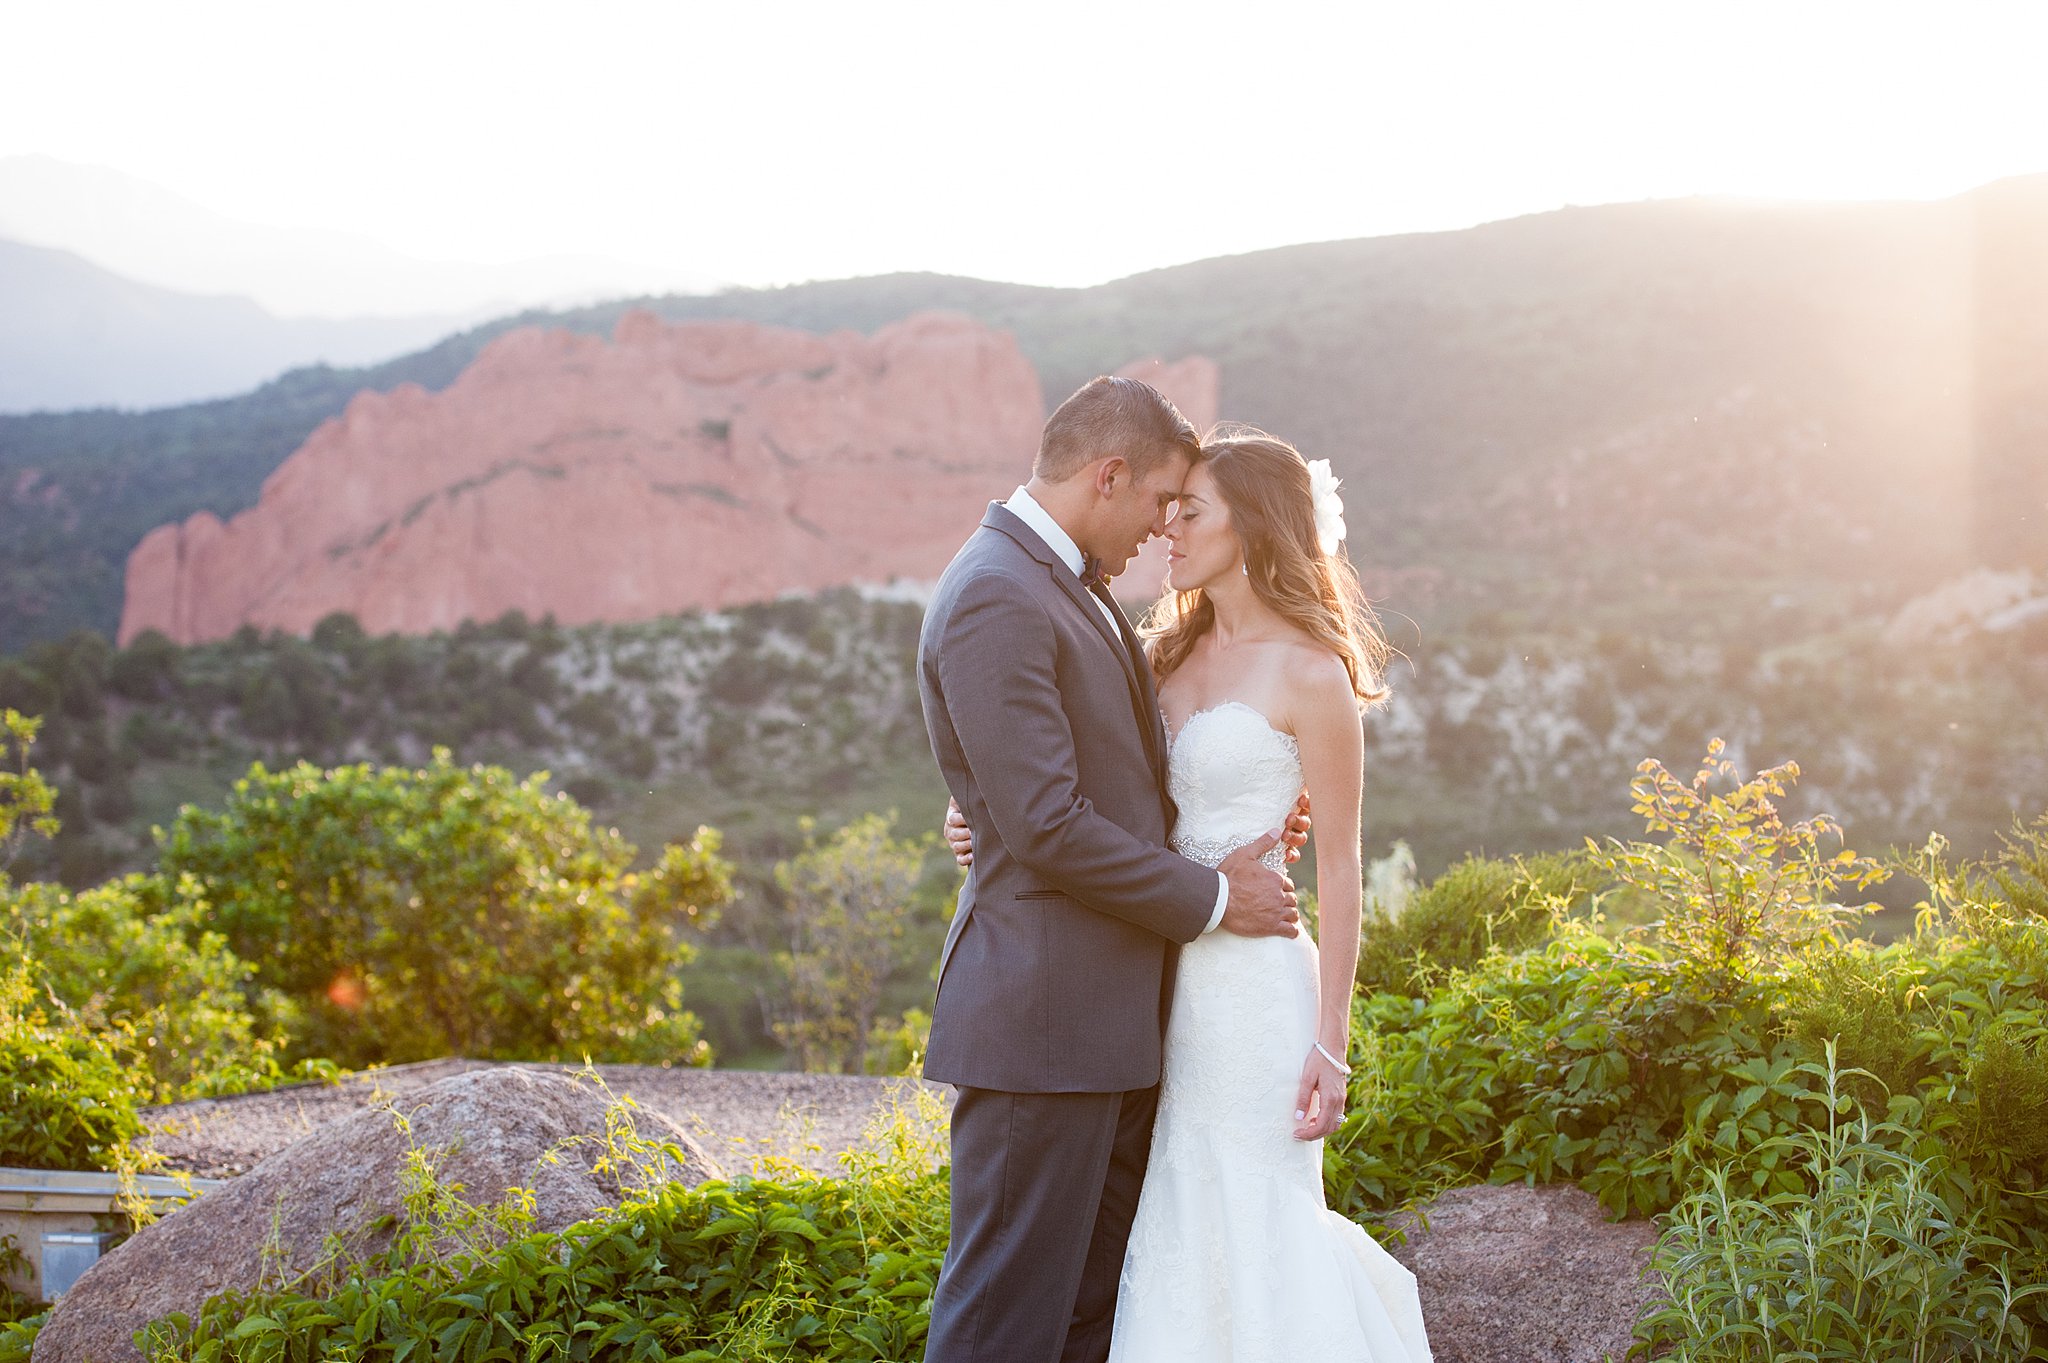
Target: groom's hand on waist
(1261, 899)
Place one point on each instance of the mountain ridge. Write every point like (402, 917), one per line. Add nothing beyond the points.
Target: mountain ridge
(77, 336)
(143, 230)
(1883, 352)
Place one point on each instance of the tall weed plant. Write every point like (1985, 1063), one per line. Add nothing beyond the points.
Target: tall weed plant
(1878, 1253)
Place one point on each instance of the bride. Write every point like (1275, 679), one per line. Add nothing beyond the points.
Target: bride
(1266, 656)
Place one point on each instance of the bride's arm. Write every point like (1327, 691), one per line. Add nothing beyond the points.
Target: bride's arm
(1332, 740)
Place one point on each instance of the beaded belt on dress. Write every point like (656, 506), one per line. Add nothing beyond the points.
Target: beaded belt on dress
(1210, 851)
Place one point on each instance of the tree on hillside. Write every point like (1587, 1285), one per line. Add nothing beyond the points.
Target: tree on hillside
(132, 962)
(848, 900)
(446, 910)
(26, 799)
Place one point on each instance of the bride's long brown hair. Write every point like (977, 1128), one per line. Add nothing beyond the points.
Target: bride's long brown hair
(1265, 483)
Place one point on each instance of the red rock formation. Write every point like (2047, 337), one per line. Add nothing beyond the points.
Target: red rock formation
(673, 467)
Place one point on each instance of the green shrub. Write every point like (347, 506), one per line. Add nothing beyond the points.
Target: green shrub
(1860, 1001)
(1574, 1061)
(66, 1098)
(1970, 903)
(1877, 1253)
(26, 799)
(18, 1337)
(1743, 893)
(14, 1306)
(899, 1048)
(2019, 871)
(134, 962)
(1631, 1063)
(1480, 904)
(847, 900)
(448, 910)
(2007, 1081)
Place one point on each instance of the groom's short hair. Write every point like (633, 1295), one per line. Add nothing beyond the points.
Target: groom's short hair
(1113, 415)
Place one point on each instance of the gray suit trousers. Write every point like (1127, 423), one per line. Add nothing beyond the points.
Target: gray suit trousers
(1044, 1189)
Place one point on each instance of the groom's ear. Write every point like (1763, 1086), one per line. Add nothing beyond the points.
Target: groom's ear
(1111, 474)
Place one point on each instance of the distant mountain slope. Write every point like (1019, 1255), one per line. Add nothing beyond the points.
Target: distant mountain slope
(73, 335)
(1662, 416)
(145, 232)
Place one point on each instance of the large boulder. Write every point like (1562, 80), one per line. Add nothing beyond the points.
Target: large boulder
(492, 1130)
(1514, 1274)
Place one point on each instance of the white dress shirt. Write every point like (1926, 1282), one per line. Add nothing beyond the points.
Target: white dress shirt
(1026, 508)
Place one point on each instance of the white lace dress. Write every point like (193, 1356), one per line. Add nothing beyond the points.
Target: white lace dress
(1234, 1257)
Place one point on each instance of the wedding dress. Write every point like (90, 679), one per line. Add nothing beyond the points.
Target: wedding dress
(1234, 1256)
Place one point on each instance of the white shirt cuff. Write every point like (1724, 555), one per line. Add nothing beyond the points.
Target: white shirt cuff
(1222, 901)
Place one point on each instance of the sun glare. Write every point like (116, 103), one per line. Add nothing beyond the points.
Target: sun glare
(811, 141)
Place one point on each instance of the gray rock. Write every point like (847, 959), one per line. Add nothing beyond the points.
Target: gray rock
(1514, 1274)
(495, 1128)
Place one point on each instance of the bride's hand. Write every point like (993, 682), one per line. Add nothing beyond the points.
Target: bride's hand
(958, 836)
(1319, 1101)
(1297, 829)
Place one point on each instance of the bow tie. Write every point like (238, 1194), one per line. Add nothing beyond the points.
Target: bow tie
(1091, 573)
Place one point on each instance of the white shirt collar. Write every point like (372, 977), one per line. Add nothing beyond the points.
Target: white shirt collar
(1026, 508)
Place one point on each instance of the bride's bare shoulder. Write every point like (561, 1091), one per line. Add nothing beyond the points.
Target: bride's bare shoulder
(1315, 680)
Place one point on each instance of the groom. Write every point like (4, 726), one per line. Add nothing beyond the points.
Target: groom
(1058, 970)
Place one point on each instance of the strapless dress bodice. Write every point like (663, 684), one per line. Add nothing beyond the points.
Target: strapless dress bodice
(1234, 777)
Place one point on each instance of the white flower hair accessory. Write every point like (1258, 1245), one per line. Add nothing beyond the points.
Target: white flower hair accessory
(1329, 507)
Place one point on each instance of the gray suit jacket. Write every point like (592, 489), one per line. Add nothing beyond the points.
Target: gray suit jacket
(1058, 968)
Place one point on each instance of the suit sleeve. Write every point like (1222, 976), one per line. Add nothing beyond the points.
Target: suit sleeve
(997, 679)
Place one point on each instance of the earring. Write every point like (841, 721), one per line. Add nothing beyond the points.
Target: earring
(1244, 568)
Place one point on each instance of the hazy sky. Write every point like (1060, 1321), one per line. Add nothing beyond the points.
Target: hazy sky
(1045, 142)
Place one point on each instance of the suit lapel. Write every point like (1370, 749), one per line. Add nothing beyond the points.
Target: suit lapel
(1144, 701)
(1149, 717)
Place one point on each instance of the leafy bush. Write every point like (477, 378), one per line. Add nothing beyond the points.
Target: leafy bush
(133, 962)
(847, 899)
(1574, 1061)
(1623, 1063)
(899, 1048)
(1744, 894)
(448, 910)
(18, 1337)
(1632, 1063)
(2018, 875)
(26, 799)
(1860, 1000)
(66, 1098)
(1479, 904)
(1696, 1062)
(14, 1307)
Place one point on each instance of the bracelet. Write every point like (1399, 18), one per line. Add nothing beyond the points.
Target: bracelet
(1342, 1068)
